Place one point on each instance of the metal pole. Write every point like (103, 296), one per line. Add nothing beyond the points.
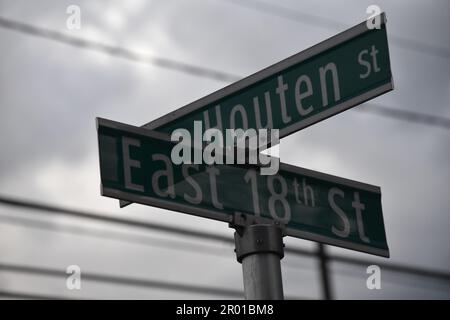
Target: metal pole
(324, 272)
(259, 248)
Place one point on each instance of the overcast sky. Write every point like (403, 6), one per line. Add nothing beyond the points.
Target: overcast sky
(50, 94)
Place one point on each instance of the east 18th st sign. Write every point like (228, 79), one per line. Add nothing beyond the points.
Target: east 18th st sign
(324, 80)
(135, 165)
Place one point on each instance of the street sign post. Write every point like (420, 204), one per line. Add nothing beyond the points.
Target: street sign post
(135, 165)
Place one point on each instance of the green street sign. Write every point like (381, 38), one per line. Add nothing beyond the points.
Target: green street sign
(326, 79)
(136, 166)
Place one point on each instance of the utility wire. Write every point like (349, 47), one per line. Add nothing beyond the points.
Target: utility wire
(135, 282)
(328, 23)
(128, 281)
(117, 236)
(56, 210)
(38, 207)
(117, 51)
(405, 115)
(391, 277)
(393, 267)
(29, 296)
(177, 245)
(194, 70)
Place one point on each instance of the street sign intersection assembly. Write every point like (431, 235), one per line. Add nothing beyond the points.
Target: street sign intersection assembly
(324, 80)
(136, 166)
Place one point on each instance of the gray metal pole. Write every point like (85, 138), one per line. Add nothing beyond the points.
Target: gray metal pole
(324, 272)
(259, 248)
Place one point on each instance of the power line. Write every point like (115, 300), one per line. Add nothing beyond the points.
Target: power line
(128, 281)
(28, 296)
(114, 235)
(422, 272)
(328, 23)
(131, 223)
(405, 115)
(173, 245)
(194, 70)
(135, 282)
(117, 51)
(214, 237)
(177, 245)
(390, 278)
(56, 210)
